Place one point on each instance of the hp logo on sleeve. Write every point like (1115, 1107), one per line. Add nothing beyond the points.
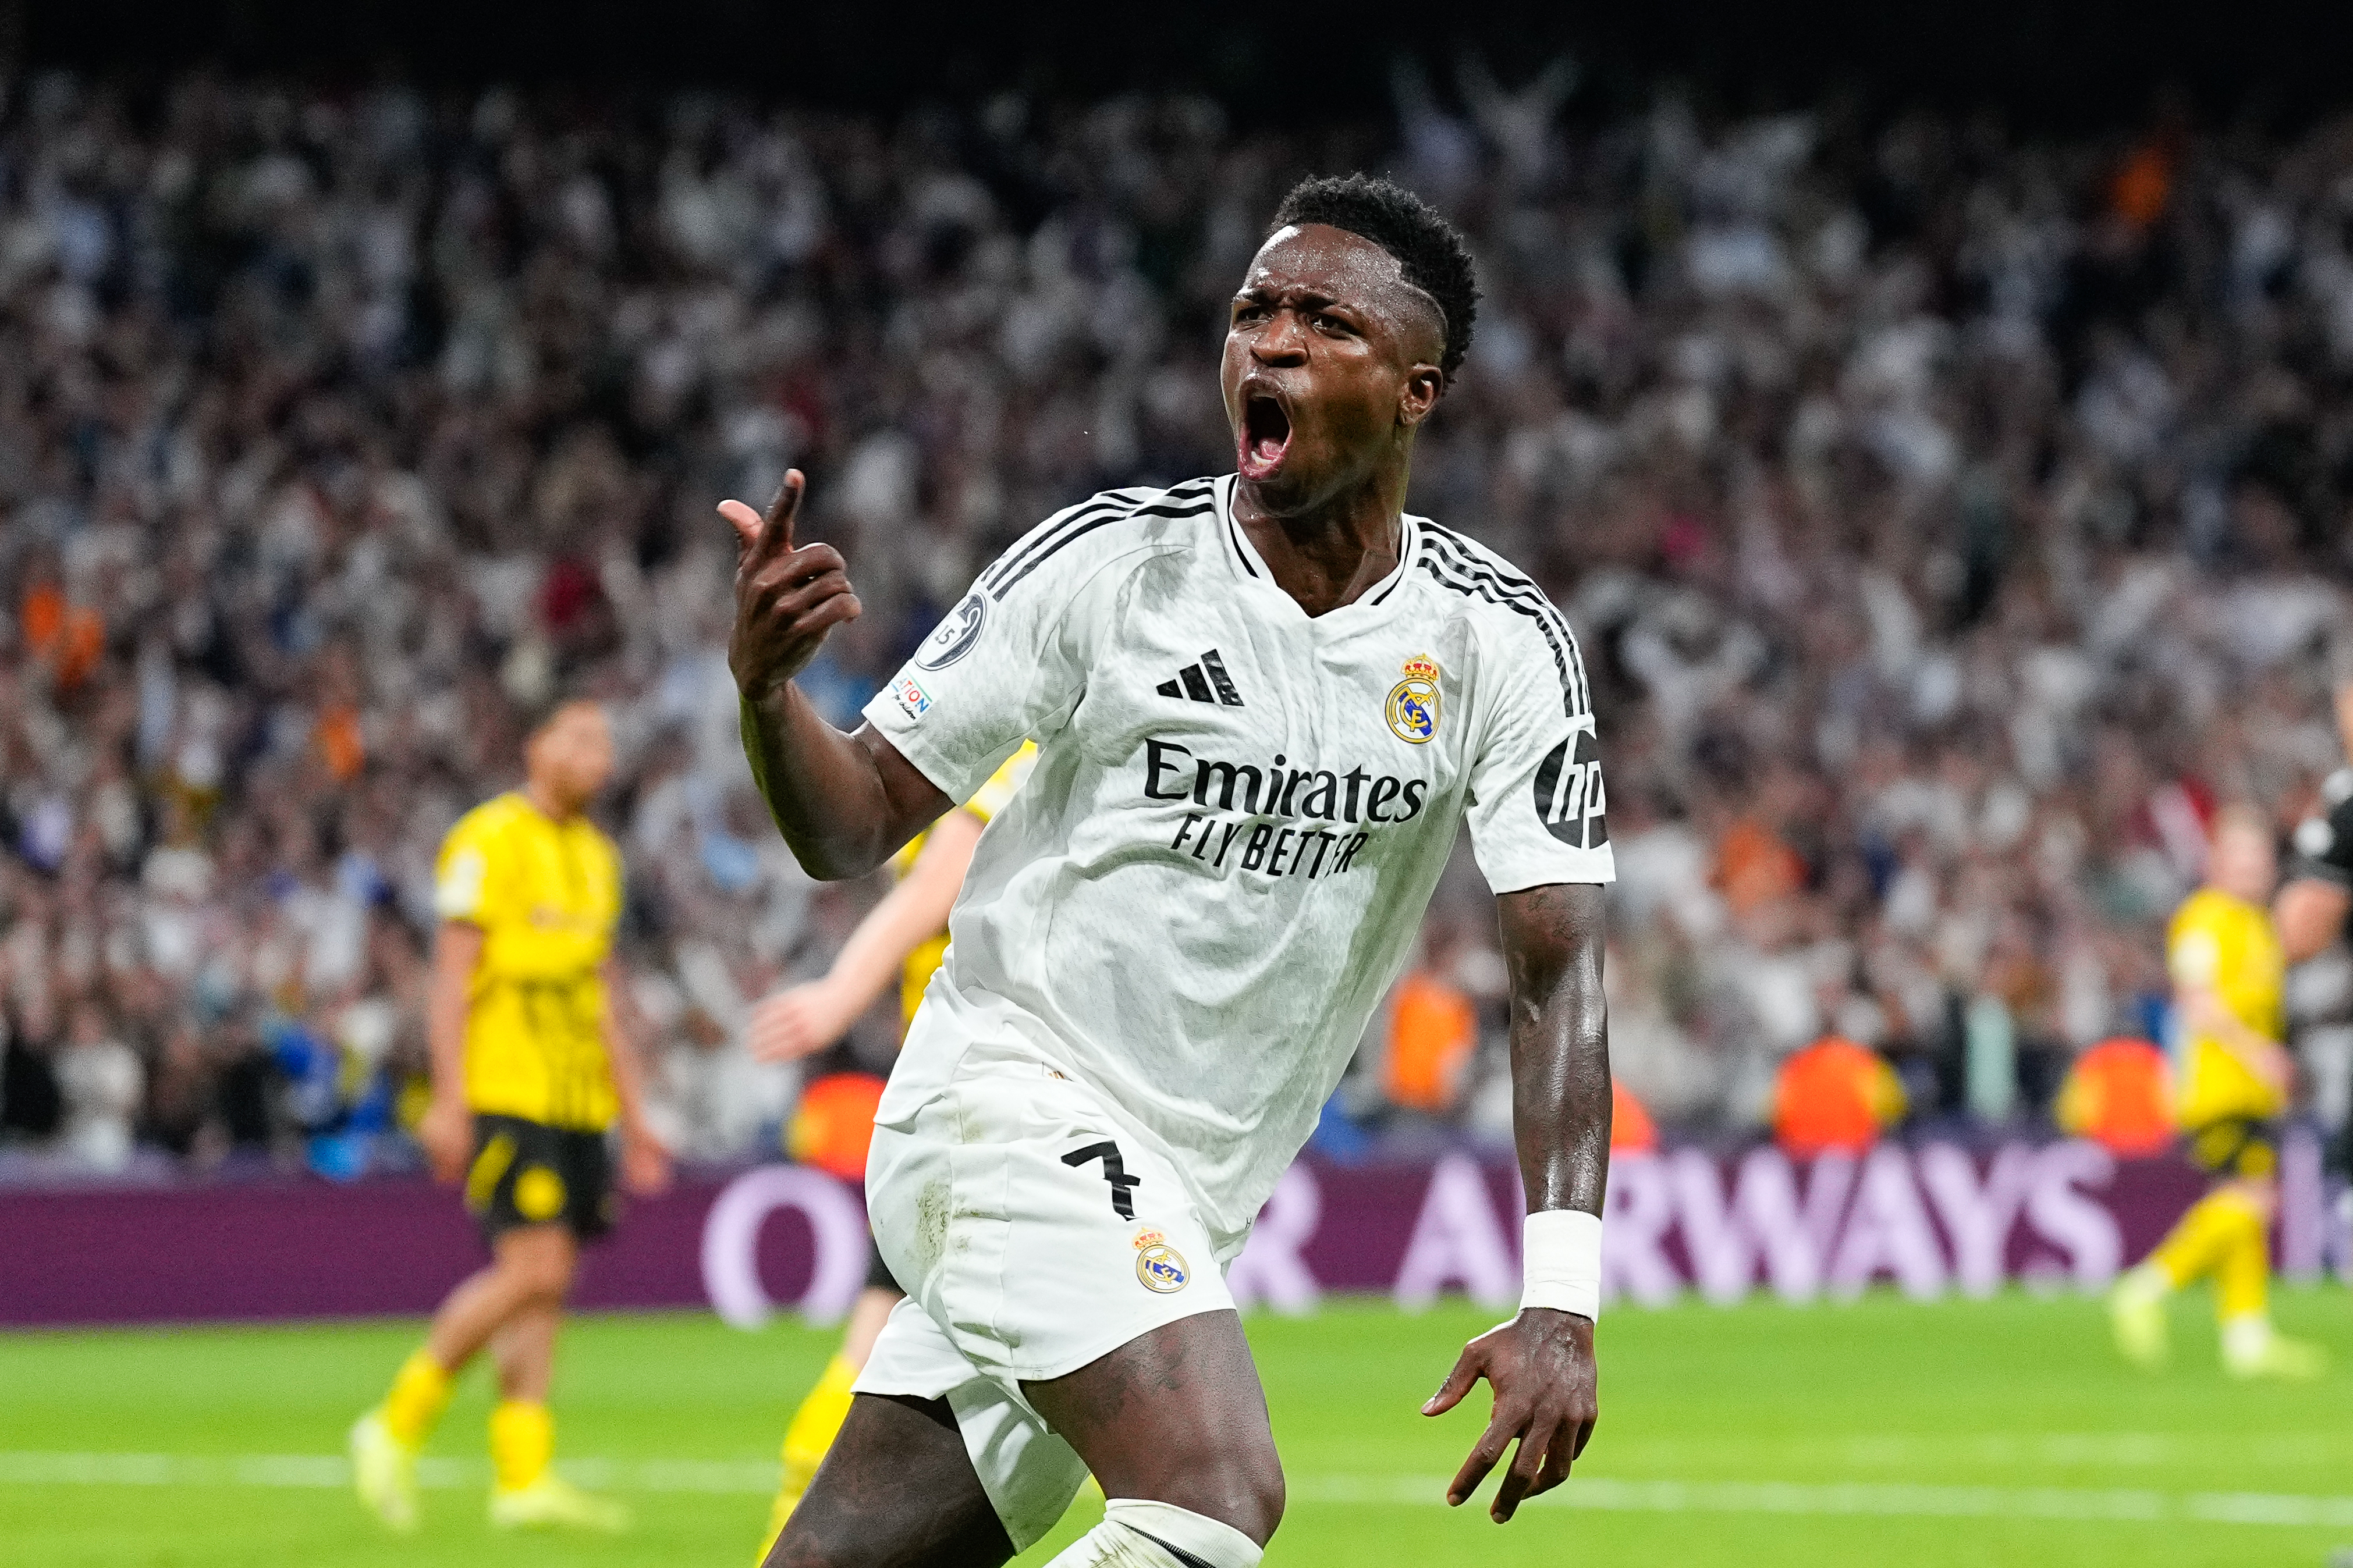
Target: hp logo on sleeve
(955, 637)
(1569, 798)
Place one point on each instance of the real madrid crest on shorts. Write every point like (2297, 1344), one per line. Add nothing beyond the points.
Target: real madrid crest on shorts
(1413, 701)
(1160, 1265)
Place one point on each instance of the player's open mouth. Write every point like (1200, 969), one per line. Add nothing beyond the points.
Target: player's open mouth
(1265, 437)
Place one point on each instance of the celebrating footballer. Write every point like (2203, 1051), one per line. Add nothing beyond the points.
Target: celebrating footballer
(1262, 703)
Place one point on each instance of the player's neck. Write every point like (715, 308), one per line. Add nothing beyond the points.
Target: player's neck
(547, 803)
(1334, 553)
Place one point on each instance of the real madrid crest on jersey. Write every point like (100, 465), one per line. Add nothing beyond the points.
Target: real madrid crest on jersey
(1413, 701)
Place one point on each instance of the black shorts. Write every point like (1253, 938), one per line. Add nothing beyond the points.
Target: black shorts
(527, 1173)
(878, 1273)
(2237, 1146)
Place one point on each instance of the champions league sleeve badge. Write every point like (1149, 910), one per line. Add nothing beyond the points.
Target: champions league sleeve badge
(1413, 701)
(955, 635)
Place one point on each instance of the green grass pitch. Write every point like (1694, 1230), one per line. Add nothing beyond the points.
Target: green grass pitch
(1883, 1432)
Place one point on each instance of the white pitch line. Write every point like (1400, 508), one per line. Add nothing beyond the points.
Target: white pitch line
(1869, 1500)
(1600, 1493)
(332, 1471)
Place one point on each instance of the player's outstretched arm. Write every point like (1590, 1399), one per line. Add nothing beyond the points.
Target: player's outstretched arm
(1540, 1364)
(844, 803)
(2206, 1012)
(629, 1040)
(802, 1020)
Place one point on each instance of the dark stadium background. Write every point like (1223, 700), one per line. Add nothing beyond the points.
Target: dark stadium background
(2058, 64)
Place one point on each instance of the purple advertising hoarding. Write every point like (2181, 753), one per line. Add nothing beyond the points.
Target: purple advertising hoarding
(1930, 1219)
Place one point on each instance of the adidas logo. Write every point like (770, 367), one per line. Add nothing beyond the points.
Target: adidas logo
(1204, 682)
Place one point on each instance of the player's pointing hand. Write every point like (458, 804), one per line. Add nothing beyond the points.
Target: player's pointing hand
(786, 598)
(1540, 1365)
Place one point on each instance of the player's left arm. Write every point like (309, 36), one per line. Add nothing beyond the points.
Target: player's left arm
(802, 1020)
(2207, 1013)
(1540, 1364)
(2195, 957)
(645, 1160)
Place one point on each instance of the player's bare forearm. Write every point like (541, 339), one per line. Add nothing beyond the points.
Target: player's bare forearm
(843, 803)
(457, 952)
(1540, 1364)
(445, 1129)
(1553, 937)
(625, 1036)
(2208, 1015)
(644, 1163)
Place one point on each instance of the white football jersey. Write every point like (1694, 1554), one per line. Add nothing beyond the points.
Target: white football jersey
(1238, 814)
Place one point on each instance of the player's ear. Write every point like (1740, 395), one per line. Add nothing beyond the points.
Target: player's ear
(1423, 385)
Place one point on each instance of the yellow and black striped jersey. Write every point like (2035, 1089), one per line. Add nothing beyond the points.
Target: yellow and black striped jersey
(547, 896)
(2222, 944)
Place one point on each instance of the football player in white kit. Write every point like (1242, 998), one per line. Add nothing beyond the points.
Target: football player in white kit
(1263, 704)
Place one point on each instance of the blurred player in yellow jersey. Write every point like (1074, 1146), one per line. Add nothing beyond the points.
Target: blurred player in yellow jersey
(530, 1072)
(2230, 979)
(904, 938)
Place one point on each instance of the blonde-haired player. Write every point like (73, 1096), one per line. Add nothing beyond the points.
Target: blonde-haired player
(530, 1071)
(2230, 979)
(903, 937)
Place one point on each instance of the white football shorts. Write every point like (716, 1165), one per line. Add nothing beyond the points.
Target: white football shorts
(1033, 1234)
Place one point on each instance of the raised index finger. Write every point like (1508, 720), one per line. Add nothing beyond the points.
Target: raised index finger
(777, 528)
(763, 537)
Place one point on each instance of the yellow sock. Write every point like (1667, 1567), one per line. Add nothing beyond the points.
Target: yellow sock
(814, 1427)
(522, 1441)
(2196, 1246)
(2242, 1279)
(420, 1391)
(819, 1421)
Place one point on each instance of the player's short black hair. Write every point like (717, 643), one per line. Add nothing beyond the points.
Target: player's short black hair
(1430, 251)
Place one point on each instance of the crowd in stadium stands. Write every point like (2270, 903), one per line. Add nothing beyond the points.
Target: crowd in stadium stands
(1952, 519)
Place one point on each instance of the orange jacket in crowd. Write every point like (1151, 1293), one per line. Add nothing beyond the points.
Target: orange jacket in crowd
(2119, 1094)
(1631, 1131)
(1433, 1032)
(1755, 866)
(340, 744)
(1834, 1094)
(70, 638)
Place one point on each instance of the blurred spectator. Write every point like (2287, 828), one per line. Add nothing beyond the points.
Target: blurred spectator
(1948, 518)
(99, 1083)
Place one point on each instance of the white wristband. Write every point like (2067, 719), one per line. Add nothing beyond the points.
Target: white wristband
(1562, 1255)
